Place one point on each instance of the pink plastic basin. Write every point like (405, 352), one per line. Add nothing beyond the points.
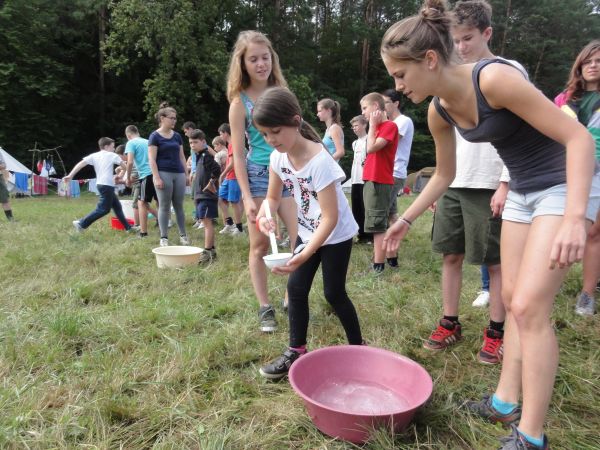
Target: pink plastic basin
(349, 390)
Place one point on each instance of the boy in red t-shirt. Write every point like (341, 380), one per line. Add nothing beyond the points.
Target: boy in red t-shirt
(229, 192)
(378, 174)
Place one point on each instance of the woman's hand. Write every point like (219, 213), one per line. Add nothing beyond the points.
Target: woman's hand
(158, 183)
(393, 236)
(569, 243)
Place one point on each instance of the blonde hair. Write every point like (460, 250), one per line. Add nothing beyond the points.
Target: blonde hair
(219, 141)
(374, 97)
(237, 76)
(334, 107)
(411, 38)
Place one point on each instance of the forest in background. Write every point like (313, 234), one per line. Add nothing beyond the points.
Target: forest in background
(74, 70)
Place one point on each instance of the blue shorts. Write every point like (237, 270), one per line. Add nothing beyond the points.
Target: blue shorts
(207, 209)
(230, 191)
(523, 208)
(258, 179)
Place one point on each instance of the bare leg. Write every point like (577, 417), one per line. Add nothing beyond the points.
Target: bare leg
(591, 258)
(534, 287)
(451, 282)
(259, 246)
(497, 311)
(143, 213)
(209, 233)
(224, 207)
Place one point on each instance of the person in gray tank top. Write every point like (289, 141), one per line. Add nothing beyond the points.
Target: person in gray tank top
(550, 159)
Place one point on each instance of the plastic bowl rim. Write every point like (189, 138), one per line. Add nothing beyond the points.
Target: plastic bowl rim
(310, 400)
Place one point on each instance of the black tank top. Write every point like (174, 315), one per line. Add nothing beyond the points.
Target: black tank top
(534, 161)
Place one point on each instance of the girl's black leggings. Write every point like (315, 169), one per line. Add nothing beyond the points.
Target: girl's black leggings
(334, 258)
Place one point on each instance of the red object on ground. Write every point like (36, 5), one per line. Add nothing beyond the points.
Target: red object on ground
(114, 223)
(350, 389)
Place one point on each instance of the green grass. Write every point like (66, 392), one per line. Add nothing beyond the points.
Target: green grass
(101, 349)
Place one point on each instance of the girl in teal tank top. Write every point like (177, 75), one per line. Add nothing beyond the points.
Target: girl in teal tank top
(259, 151)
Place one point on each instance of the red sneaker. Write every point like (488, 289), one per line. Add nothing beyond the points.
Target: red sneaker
(492, 349)
(446, 334)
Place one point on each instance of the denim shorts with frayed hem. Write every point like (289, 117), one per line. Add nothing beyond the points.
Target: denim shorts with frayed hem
(523, 208)
(258, 179)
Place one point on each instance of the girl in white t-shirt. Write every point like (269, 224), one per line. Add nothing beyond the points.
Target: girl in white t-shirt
(325, 223)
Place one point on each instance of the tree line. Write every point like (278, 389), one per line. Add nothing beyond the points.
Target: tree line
(74, 70)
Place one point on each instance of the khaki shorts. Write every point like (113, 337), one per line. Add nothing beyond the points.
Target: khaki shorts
(463, 224)
(376, 197)
(4, 196)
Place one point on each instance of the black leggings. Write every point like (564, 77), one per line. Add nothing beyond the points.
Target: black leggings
(335, 259)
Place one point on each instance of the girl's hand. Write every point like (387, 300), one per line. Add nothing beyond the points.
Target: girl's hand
(292, 265)
(265, 225)
(251, 210)
(158, 183)
(393, 236)
(569, 243)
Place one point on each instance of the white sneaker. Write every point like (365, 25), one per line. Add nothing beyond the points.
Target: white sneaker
(77, 226)
(184, 240)
(482, 300)
(228, 229)
(164, 242)
(235, 231)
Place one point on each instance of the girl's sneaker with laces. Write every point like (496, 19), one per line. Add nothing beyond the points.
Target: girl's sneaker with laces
(516, 441)
(484, 409)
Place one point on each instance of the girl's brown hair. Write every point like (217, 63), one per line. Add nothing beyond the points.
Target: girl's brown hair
(334, 107)
(163, 111)
(237, 76)
(410, 38)
(576, 84)
(278, 107)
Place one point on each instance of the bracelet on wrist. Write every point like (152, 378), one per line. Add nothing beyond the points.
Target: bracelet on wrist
(405, 220)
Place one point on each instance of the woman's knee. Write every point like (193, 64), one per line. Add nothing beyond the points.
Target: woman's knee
(528, 313)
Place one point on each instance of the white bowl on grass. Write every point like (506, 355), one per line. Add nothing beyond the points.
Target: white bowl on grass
(177, 256)
(277, 259)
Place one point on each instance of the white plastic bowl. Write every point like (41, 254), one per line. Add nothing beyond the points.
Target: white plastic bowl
(177, 255)
(277, 259)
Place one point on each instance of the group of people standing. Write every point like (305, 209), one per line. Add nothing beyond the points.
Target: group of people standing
(516, 189)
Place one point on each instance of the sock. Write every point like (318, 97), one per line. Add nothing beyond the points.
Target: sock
(501, 406)
(393, 262)
(535, 441)
(239, 226)
(301, 349)
(8, 213)
(453, 319)
(378, 267)
(229, 221)
(497, 326)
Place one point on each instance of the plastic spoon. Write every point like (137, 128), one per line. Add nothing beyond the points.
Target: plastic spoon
(271, 234)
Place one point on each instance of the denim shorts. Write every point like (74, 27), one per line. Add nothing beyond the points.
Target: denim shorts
(230, 191)
(258, 179)
(524, 208)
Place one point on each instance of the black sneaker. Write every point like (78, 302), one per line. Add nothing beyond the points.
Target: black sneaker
(266, 316)
(279, 367)
(516, 441)
(483, 408)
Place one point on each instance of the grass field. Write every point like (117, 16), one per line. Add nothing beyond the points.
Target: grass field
(101, 349)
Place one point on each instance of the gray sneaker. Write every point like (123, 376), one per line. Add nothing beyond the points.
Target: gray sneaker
(208, 256)
(586, 305)
(266, 316)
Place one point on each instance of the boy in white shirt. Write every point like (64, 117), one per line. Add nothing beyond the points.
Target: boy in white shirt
(359, 148)
(103, 162)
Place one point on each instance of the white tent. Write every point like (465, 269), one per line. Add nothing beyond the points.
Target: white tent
(14, 166)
